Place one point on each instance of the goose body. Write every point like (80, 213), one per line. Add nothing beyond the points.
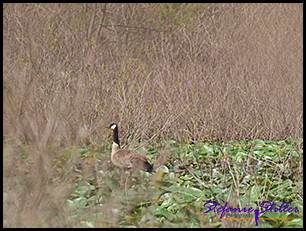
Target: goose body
(127, 159)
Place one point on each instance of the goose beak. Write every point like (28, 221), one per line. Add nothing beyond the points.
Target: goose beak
(107, 127)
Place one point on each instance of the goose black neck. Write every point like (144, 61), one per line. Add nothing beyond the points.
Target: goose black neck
(116, 139)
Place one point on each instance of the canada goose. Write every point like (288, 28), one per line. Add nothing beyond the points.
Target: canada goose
(127, 159)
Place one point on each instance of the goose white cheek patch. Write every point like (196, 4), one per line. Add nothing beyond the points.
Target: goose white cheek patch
(113, 127)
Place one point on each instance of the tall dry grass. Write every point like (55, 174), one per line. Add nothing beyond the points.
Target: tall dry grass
(190, 71)
(225, 71)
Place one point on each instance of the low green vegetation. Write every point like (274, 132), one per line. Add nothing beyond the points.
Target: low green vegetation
(95, 194)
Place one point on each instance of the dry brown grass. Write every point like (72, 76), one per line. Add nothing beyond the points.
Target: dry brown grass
(233, 72)
(192, 71)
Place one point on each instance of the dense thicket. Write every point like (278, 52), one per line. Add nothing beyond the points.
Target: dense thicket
(195, 71)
